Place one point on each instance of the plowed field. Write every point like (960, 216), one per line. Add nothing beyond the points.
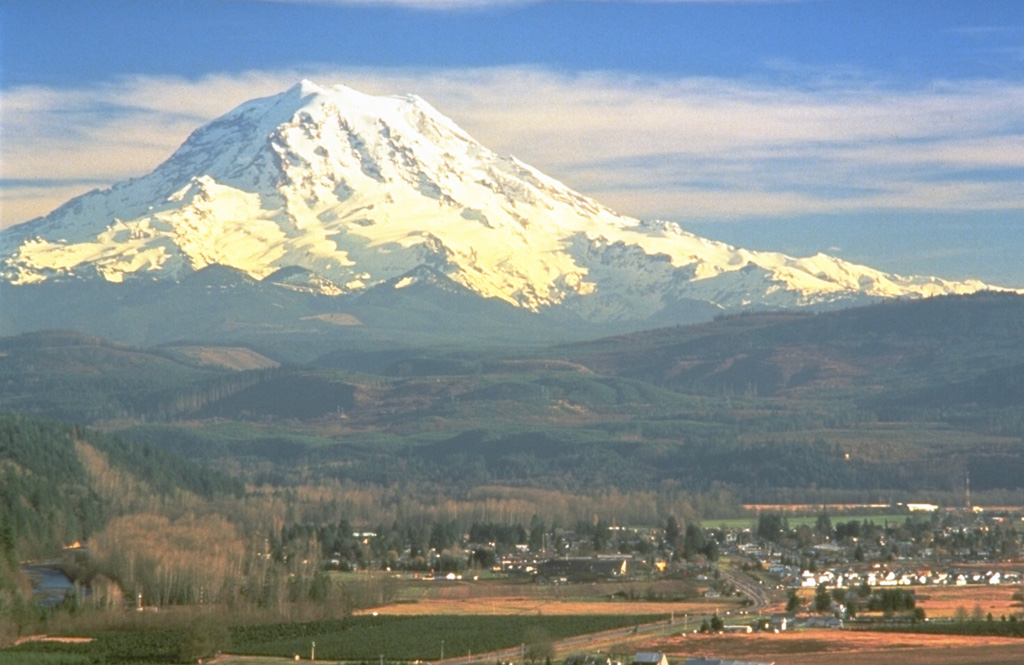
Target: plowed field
(832, 647)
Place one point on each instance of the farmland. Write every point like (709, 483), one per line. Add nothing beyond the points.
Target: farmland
(467, 619)
(363, 638)
(207, 481)
(848, 648)
(501, 598)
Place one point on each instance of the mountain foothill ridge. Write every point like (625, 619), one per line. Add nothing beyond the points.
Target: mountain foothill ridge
(329, 190)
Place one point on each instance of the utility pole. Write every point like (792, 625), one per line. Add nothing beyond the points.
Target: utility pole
(442, 649)
(312, 651)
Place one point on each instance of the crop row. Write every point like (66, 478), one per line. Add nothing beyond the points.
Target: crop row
(416, 638)
(364, 638)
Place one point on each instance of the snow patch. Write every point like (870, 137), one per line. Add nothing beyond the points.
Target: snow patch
(361, 189)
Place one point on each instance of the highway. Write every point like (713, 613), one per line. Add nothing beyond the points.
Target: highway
(759, 597)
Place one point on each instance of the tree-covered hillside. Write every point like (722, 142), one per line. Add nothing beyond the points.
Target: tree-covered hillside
(893, 348)
(83, 379)
(60, 484)
(901, 400)
(897, 402)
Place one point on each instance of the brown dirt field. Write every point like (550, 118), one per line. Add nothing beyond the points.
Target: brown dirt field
(540, 606)
(940, 602)
(51, 638)
(833, 647)
(810, 647)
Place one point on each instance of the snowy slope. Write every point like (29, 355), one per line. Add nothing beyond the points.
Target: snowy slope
(358, 190)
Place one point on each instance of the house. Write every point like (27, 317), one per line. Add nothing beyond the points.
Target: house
(590, 659)
(650, 658)
(583, 569)
(822, 622)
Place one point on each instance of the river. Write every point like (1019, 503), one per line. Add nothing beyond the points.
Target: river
(49, 584)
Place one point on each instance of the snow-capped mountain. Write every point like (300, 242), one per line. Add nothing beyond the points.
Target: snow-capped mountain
(332, 191)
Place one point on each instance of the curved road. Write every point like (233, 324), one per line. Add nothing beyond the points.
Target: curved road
(759, 596)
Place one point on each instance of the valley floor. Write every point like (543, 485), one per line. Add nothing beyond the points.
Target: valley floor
(812, 647)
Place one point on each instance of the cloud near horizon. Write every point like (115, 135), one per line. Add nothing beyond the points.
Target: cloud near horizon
(704, 149)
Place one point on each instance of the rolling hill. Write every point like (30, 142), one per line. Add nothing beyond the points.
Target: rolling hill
(897, 398)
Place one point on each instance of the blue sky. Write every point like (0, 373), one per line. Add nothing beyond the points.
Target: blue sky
(888, 133)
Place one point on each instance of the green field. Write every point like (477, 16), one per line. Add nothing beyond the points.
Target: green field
(810, 520)
(364, 638)
(11, 657)
(417, 637)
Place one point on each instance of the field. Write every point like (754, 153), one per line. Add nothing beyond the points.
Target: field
(879, 518)
(418, 637)
(946, 602)
(812, 647)
(804, 647)
(364, 638)
(517, 606)
(473, 617)
(943, 602)
(495, 597)
(815, 647)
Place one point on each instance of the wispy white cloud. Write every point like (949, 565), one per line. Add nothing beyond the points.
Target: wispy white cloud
(686, 149)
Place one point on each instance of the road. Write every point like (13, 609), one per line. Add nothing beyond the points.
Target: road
(580, 643)
(760, 598)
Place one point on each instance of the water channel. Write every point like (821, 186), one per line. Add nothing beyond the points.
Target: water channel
(49, 583)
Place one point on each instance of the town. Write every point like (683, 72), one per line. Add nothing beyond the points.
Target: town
(776, 560)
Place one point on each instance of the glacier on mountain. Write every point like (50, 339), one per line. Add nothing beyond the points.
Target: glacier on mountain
(357, 190)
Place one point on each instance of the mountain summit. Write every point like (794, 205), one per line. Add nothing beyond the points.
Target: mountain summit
(357, 191)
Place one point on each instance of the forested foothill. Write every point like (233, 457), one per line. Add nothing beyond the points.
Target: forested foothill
(195, 475)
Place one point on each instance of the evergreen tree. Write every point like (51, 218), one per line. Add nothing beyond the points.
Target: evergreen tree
(537, 531)
(693, 540)
(822, 599)
(672, 532)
